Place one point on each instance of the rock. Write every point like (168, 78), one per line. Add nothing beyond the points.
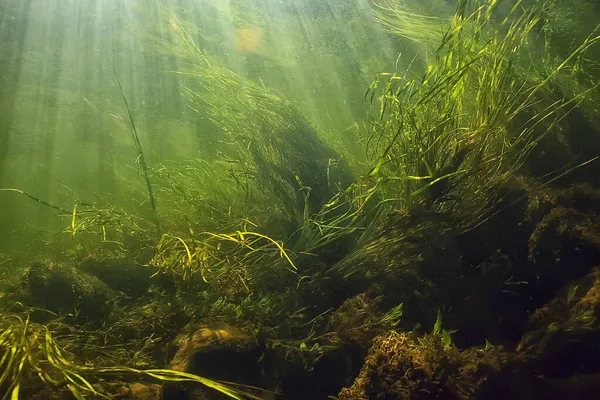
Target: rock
(563, 335)
(139, 391)
(224, 353)
(408, 366)
(565, 242)
(565, 245)
(123, 276)
(64, 289)
(359, 320)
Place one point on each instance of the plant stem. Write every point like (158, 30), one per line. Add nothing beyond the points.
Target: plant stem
(138, 147)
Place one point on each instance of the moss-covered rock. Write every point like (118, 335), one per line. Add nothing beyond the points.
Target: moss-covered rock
(558, 357)
(224, 353)
(563, 335)
(122, 275)
(408, 366)
(64, 289)
(564, 246)
(355, 322)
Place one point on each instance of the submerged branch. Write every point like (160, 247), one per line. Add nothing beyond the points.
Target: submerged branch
(35, 198)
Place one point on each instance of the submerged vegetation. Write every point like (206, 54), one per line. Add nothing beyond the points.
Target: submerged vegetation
(286, 263)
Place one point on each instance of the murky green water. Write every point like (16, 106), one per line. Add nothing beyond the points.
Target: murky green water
(299, 186)
(65, 130)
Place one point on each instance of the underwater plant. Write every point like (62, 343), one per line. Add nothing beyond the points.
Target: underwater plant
(446, 140)
(403, 21)
(472, 118)
(269, 139)
(234, 264)
(138, 147)
(34, 357)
